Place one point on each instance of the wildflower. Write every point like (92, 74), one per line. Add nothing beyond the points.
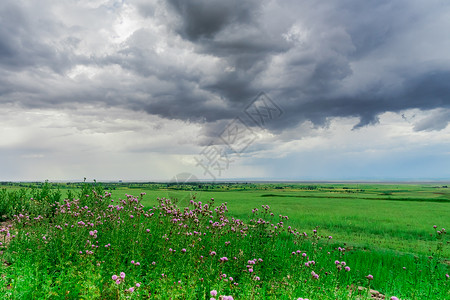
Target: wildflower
(118, 281)
(370, 277)
(347, 268)
(394, 298)
(213, 253)
(122, 275)
(250, 270)
(448, 276)
(131, 289)
(114, 277)
(183, 250)
(213, 293)
(337, 262)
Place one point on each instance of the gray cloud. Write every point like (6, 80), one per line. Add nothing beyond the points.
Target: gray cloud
(436, 121)
(26, 40)
(202, 19)
(203, 61)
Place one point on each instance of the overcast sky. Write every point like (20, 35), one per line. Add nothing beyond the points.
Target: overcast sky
(229, 89)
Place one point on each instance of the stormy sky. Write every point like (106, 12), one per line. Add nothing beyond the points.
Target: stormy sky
(255, 89)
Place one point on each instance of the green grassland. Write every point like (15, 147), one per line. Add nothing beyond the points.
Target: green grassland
(386, 231)
(374, 216)
(395, 216)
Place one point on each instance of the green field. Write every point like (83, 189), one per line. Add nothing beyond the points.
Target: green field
(386, 230)
(376, 216)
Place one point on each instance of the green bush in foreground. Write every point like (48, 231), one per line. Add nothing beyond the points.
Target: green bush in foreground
(96, 247)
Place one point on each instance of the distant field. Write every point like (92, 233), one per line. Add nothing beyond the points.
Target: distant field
(382, 216)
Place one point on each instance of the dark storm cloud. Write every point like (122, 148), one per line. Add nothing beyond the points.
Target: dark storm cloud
(22, 40)
(316, 60)
(204, 19)
(423, 91)
(235, 32)
(342, 35)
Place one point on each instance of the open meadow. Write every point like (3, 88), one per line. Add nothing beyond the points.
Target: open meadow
(205, 240)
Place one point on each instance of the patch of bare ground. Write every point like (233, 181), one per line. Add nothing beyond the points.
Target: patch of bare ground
(363, 292)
